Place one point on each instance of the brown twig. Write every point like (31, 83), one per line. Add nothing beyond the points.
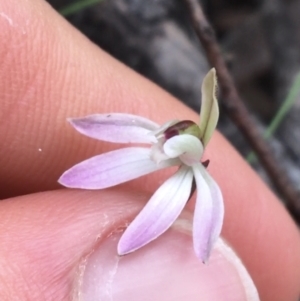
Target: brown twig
(237, 111)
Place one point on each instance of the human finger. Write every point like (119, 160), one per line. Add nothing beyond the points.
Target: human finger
(62, 245)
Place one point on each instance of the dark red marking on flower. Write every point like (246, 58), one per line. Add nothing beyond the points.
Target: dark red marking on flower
(205, 163)
(175, 129)
(193, 189)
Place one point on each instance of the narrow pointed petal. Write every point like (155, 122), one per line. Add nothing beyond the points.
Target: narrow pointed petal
(160, 212)
(111, 169)
(116, 127)
(187, 147)
(218, 206)
(203, 224)
(209, 114)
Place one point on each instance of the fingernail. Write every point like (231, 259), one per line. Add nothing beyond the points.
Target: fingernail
(166, 269)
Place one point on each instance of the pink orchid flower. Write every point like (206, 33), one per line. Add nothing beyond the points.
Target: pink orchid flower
(176, 143)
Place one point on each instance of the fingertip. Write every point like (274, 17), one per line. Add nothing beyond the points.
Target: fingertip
(166, 269)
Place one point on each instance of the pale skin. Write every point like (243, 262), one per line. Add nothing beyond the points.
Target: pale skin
(50, 72)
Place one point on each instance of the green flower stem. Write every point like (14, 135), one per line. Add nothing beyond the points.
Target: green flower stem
(77, 6)
(283, 110)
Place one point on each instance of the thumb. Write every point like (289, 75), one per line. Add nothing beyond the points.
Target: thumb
(63, 244)
(166, 269)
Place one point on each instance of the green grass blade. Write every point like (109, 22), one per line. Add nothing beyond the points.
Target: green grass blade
(279, 116)
(77, 6)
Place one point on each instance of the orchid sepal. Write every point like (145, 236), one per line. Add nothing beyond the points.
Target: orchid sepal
(159, 213)
(116, 127)
(209, 113)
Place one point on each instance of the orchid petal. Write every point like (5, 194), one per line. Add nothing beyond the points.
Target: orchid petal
(203, 225)
(116, 127)
(218, 206)
(209, 114)
(187, 147)
(112, 168)
(160, 212)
